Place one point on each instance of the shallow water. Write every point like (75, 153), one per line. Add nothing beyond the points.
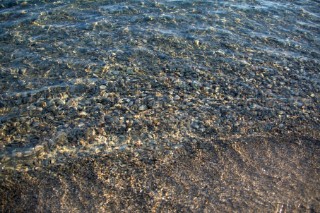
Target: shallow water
(85, 78)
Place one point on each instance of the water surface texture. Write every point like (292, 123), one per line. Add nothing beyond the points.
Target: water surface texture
(110, 101)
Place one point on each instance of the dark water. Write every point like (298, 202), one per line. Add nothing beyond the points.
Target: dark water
(89, 79)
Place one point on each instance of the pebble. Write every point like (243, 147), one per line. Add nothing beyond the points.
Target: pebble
(62, 138)
(130, 71)
(38, 147)
(83, 114)
(60, 102)
(103, 87)
(27, 153)
(115, 72)
(177, 97)
(142, 107)
(123, 147)
(17, 154)
(90, 132)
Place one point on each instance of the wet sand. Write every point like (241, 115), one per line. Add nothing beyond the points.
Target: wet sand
(278, 173)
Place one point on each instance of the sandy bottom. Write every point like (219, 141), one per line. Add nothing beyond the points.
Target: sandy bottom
(255, 174)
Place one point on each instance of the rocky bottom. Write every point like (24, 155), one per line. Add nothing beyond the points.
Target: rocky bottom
(277, 173)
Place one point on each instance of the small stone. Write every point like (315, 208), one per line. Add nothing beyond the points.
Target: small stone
(60, 102)
(142, 107)
(123, 147)
(43, 104)
(177, 97)
(17, 154)
(83, 114)
(298, 104)
(27, 153)
(103, 87)
(38, 147)
(90, 133)
(115, 72)
(62, 138)
(195, 125)
(129, 71)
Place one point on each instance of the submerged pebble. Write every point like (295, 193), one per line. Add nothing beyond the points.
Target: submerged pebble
(142, 107)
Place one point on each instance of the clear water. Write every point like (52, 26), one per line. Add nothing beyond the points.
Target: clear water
(86, 78)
